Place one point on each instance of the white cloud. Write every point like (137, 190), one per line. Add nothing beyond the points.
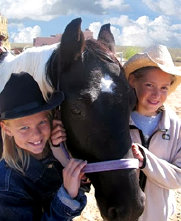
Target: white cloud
(145, 32)
(95, 28)
(25, 34)
(123, 20)
(33, 9)
(167, 7)
(113, 4)
(46, 10)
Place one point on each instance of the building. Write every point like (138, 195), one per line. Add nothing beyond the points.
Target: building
(4, 31)
(40, 41)
(17, 48)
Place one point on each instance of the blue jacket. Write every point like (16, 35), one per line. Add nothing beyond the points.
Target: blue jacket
(36, 195)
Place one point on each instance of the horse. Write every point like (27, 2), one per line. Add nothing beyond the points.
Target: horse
(95, 112)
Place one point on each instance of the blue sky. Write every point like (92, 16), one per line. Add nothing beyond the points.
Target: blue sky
(133, 22)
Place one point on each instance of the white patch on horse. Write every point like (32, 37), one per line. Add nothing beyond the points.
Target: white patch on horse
(32, 60)
(107, 84)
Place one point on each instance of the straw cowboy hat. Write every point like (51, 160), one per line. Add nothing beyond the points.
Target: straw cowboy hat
(22, 96)
(155, 56)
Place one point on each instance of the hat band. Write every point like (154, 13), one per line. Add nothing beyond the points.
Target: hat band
(19, 109)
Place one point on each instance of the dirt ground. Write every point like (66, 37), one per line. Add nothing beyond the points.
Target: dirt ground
(91, 212)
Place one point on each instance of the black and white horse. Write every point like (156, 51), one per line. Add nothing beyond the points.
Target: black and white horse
(95, 111)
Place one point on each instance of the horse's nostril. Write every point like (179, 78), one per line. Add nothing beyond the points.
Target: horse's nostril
(114, 213)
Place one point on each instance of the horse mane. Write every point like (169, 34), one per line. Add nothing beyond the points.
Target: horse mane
(98, 49)
(32, 60)
(93, 47)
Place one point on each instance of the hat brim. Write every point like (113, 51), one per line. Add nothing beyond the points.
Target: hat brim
(55, 100)
(142, 60)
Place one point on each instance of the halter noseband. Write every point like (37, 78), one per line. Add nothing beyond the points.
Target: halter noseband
(106, 165)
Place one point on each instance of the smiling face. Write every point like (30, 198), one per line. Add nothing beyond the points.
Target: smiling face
(151, 90)
(30, 133)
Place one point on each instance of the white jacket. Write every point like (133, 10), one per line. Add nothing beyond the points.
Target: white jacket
(163, 167)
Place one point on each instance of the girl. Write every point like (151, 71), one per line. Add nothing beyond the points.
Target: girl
(157, 128)
(31, 182)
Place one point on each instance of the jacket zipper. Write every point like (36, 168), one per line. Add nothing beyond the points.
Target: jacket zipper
(142, 176)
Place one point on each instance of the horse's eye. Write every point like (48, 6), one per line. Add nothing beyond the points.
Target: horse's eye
(76, 110)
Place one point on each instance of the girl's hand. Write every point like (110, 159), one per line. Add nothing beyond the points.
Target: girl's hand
(137, 154)
(58, 134)
(72, 176)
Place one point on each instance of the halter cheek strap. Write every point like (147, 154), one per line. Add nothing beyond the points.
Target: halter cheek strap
(62, 155)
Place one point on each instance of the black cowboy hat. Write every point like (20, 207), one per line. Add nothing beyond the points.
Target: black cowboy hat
(22, 96)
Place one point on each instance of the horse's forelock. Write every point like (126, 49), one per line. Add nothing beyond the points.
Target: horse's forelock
(100, 50)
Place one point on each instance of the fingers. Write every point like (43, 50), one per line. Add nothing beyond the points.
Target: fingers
(74, 167)
(58, 134)
(137, 153)
(57, 122)
(58, 126)
(85, 180)
(72, 176)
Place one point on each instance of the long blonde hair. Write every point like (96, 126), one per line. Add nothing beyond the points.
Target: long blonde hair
(17, 158)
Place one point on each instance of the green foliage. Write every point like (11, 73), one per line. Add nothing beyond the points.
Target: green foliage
(130, 51)
(178, 59)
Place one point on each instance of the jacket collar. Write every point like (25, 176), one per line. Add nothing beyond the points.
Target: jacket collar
(37, 168)
(164, 123)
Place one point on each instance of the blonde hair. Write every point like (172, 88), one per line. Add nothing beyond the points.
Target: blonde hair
(17, 158)
(139, 73)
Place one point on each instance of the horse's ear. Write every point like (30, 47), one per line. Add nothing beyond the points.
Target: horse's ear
(106, 37)
(72, 42)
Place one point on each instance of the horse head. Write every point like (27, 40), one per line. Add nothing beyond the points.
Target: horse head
(96, 114)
